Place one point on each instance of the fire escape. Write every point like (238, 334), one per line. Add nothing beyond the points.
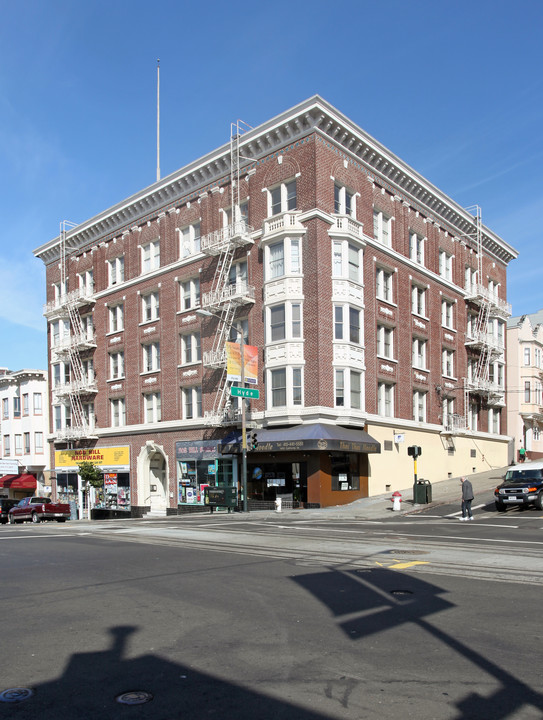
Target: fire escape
(79, 384)
(482, 339)
(227, 295)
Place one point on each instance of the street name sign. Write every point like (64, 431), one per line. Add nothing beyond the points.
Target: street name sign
(244, 392)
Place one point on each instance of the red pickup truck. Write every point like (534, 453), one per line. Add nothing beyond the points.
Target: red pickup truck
(37, 509)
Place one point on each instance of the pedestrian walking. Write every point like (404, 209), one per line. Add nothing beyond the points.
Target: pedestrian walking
(522, 453)
(467, 498)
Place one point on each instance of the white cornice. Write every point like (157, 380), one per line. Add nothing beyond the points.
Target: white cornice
(314, 115)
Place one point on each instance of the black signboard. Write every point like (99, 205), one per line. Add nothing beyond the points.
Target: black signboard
(221, 496)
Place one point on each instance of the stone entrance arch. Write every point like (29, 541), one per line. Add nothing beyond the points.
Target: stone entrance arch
(153, 477)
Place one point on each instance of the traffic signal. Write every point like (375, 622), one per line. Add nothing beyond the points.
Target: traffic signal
(414, 451)
(254, 441)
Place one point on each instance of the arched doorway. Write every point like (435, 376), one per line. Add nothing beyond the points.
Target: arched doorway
(153, 477)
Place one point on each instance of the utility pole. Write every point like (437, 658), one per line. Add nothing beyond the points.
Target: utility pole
(243, 428)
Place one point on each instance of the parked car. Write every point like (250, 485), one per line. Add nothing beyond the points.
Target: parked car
(522, 485)
(5, 506)
(37, 509)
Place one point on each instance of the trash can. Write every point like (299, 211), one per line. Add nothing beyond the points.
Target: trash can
(422, 492)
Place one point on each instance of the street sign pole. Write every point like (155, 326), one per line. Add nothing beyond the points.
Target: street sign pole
(243, 431)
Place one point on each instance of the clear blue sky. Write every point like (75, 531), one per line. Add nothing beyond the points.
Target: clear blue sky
(454, 87)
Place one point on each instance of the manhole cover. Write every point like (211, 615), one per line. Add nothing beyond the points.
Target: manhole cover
(14, 695)
(401, 592)
(134, 697)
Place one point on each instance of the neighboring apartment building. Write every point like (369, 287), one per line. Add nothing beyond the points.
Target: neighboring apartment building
(525, 383)
(24, 427)
(377, 304)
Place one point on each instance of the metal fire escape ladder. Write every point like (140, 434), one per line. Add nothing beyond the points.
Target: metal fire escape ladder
(79, 421)
(224, 298)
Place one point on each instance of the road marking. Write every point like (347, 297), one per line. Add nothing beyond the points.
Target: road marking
(403, 565)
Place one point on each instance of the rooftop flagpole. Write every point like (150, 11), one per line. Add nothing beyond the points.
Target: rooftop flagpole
(158, 119)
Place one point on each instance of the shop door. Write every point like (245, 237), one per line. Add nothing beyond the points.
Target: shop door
(157, 482)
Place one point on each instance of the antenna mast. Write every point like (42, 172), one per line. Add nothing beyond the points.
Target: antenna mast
(158, 119)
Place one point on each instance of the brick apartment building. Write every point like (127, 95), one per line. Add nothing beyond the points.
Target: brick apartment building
(377, 305)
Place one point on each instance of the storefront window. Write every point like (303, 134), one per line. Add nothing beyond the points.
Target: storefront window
(195, 475)
(345, 472)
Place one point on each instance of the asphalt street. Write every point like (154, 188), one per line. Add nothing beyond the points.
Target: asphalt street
(300, 615)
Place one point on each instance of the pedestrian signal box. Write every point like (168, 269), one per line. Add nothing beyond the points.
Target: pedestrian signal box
(414, 451)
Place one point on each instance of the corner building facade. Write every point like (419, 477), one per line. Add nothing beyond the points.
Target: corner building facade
(377, 304)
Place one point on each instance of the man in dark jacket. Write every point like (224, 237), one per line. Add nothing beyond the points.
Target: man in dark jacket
(467, 497)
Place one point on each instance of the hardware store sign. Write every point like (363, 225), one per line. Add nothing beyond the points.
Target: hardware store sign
(108, 457)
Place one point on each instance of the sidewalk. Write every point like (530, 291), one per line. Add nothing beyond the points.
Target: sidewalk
(380, 506)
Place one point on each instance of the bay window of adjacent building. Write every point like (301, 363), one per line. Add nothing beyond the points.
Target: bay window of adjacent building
(189, 240)
(385, 342)
(115, 270)
(447, 361)
(7, 445)
(282, 198)
(381, 228)
(192, 402)
(416, 248)
(283, 258)
(385, 399)
(383, 284)
(117, 409)
(152, 407)
(285, 386)
(418, 300)
(447, 314)
(150, 256)
(348, 388)
(189, 294)
(18, 444)
(420, 353)
(16, 407)
(445, 265)
(116, 365)
(190, 348)
(37, 403)
(116, 317)
(419, 405)
(151, 357)
(527, 356)
(527, 391)
(347, 323)
(38, 443)
(26, 405)
(5, 408)
(344, 201)
(150, 309)
(26, 439)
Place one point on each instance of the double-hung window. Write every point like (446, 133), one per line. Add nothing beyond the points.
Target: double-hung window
(283, 258)
(445, 265)
(418, 300)
(18, 444)
(192, 402)
(115, 270)
(527, 391)
(447, 314)
(5, 408)
(470, 279)
(118, 412)
(347, 325)
(189, 292)
(86, 282)
(150, 256)
(116, 365)
(347, 261)
(150, 309)
(416, 248)
(189, 238)
(284, 322)
(285, 387)
(385, 342)
(348, 388)
(38, 443)
(419, 406)
(16, 406)
(282, 197)
(344, 201)
(527, 356)
(381, 228)
(37, 402)
(26, 405)
(383, 283)
(420, 353)
(7, 445)
(26, 438)
(151, 357)
(385, 399)
(116, 318)
(152, 406)
(190, 348)
(447, 359)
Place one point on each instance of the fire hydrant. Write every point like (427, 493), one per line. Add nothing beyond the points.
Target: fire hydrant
(396, 500)
(278, 503)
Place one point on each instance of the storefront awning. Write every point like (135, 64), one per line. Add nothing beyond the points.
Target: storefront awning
(18, 482)
(306, 437)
